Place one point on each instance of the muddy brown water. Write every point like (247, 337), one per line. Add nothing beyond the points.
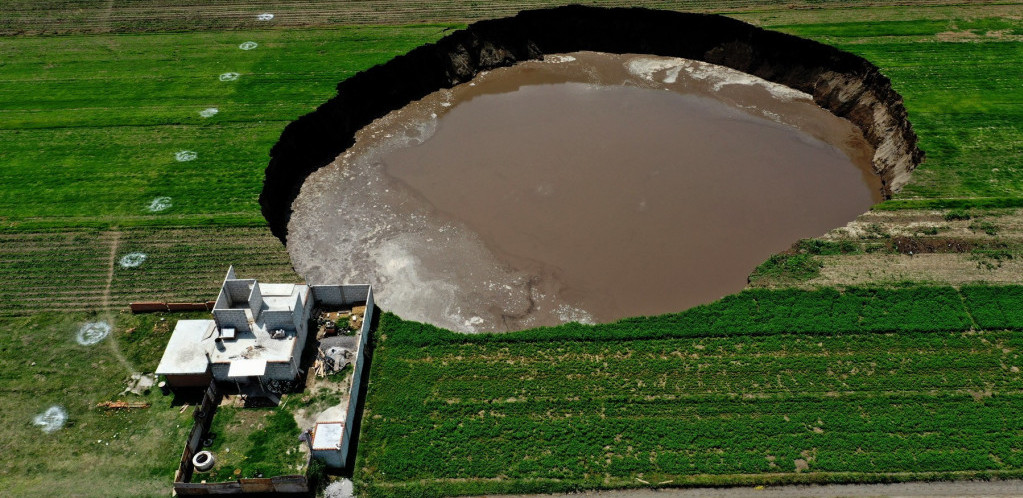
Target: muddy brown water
(588, 187)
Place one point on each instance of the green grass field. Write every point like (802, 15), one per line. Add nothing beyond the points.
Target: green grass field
(91, 124)
(97, 452)
(861, 380)
(963, 97)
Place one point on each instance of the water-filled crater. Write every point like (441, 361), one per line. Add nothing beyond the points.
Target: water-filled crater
(582, 186)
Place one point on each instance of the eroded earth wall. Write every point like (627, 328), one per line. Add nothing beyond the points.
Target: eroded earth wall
(845, 84)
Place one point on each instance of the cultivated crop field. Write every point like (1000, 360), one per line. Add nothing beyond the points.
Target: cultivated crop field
(508, 415)
(886, 350)
(82, 270)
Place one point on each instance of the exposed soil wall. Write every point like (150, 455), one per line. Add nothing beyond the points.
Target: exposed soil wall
(845, 84)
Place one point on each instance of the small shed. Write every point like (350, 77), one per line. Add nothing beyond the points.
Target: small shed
(327, 442)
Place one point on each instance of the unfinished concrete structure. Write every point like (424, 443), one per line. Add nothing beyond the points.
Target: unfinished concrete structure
(257, 334)
(256, 340)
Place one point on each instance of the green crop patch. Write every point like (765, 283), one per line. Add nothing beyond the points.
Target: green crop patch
(530, 416)
(995, 307)
(90, 125)
(827, 311)
(188, 265)
(84, 270)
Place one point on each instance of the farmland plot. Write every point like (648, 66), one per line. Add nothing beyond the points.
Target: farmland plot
(86, 270)
(507, 416)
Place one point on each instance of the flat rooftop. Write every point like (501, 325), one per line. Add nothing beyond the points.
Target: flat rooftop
(255, 345)
(186, 353)
(328, 435)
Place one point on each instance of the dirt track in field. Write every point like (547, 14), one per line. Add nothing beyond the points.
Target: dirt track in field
(922, 245)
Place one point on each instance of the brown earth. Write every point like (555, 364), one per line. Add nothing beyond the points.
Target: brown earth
(891, 247)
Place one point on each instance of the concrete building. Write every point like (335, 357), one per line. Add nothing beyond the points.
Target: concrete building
(257, 334)
(329, 443)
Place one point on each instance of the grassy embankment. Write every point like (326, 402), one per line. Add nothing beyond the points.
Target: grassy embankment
(88, 130)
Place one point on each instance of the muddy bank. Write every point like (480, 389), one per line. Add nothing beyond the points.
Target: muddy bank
(844, 84)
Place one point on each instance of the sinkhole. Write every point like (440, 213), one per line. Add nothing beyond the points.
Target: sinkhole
(583, 185)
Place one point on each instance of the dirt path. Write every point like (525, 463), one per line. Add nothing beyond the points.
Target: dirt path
(115, 346)
(105, 15)
(948, 488)
(115, 242)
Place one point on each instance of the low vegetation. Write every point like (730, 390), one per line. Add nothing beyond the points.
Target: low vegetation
(532, 412)
(79, 270)
(90, 128)
(97, 451)
(128, 16)
(788, 268)
(959, 81)
(253, 442)
(908, 309)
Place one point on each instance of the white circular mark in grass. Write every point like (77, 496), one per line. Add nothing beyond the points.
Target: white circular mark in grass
(132, 260)
(159, 204)
(229, 76)
(265, 16)
(249, 45)
(185, 155)
(92, 332)
(209, 112)
(52, 419)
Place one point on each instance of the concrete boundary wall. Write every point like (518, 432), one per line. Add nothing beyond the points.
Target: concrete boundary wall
(158, 306)
(279, 484)
(357, 373)
(340, 295)
(203, 416)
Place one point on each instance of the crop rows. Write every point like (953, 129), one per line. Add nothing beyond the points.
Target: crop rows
(89, 127)
(764, 312)
(995, 307)
(73, 16)
(189, 265)
(593, 414)
(66, 271)
(69, 271)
